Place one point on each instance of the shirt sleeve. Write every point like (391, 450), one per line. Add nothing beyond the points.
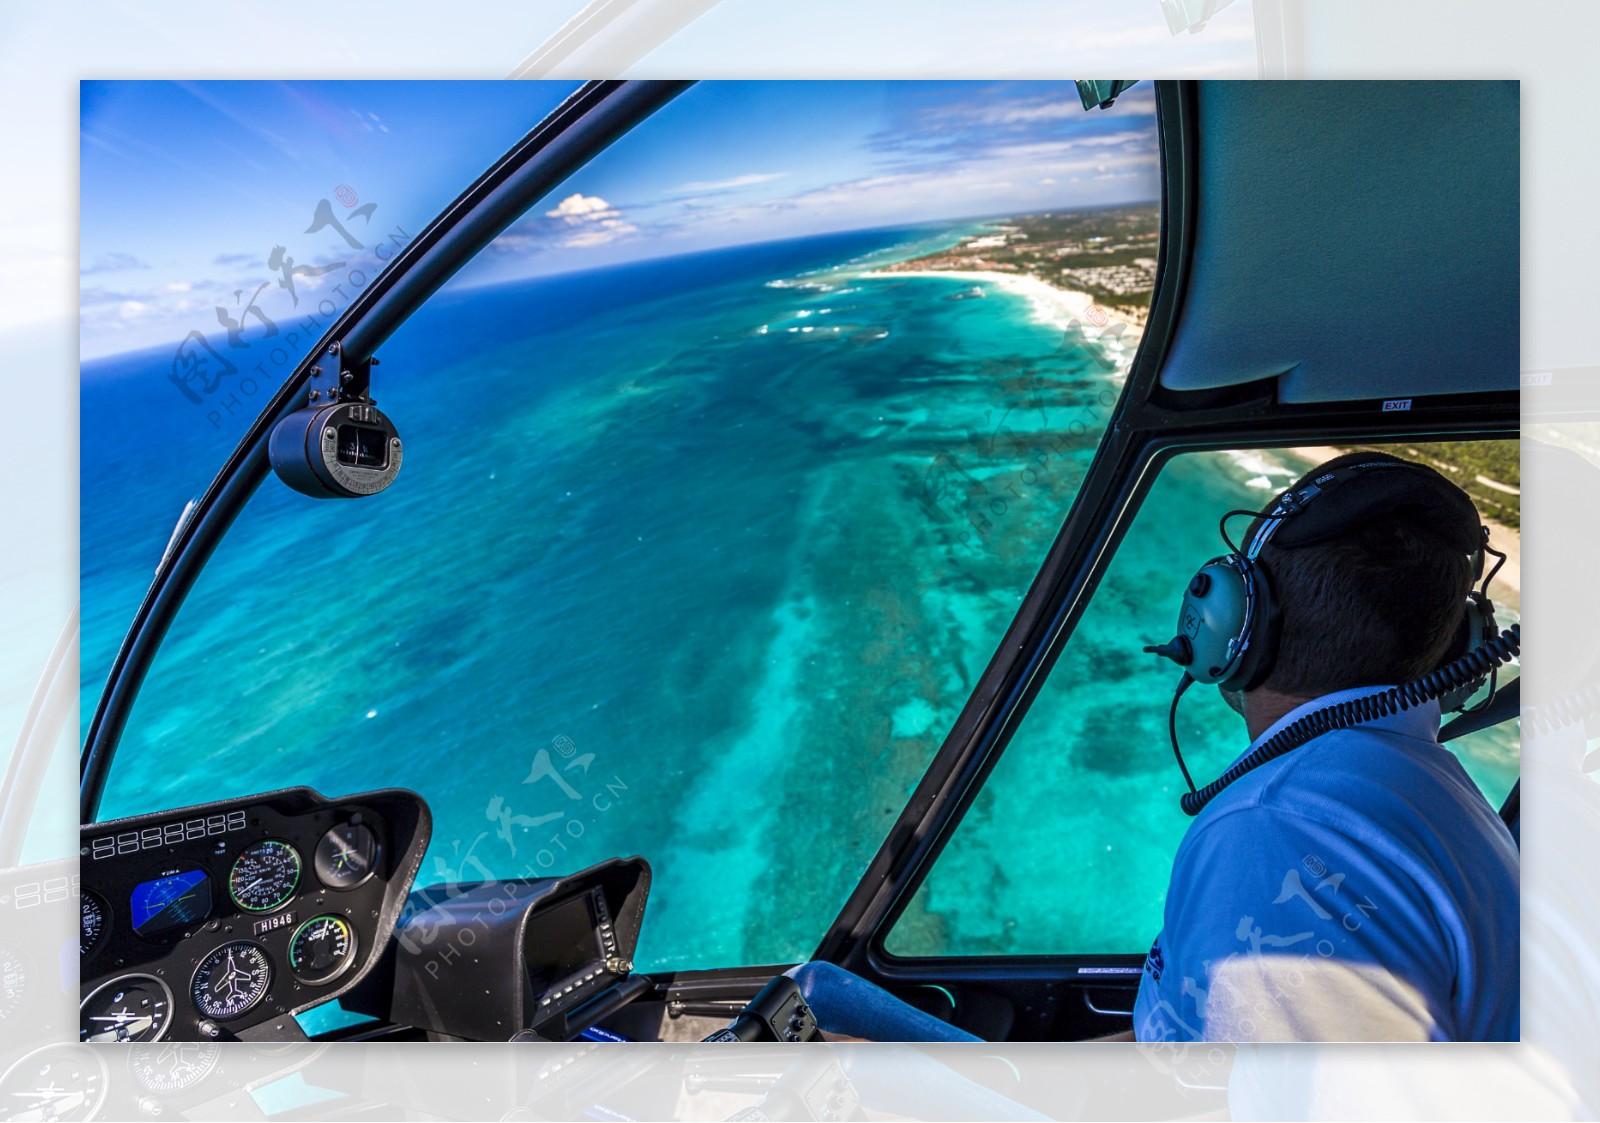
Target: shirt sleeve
(1280, 928)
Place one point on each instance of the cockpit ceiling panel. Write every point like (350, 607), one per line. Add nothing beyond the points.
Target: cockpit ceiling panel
(1359, 239)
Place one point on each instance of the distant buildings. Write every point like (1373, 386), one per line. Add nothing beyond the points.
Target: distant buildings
(1119, 280)
(1108, 254)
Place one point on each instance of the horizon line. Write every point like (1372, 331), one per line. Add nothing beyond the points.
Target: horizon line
(587, 269)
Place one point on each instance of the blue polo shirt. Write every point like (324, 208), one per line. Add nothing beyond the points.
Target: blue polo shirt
(1358, 888)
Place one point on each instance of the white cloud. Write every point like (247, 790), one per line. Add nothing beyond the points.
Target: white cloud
(748, 180)
(1046, 149)
(1016, 176)
(575, 208)
(1044, 112)
(1021, 114)
(600, 235)
(593, 220)
(132, 309)
(114, 263)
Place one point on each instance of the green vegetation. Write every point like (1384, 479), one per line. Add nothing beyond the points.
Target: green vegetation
(1107, 252)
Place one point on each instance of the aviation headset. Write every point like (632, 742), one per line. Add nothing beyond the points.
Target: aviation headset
(1229, 624)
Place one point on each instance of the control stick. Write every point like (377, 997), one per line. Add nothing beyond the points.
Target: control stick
(778, 1013)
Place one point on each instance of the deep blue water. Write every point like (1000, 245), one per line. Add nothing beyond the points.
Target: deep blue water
(681, 563)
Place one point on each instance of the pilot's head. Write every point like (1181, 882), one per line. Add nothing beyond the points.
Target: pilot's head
(1378, 603)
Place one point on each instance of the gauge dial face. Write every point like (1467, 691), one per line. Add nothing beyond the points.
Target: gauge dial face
(56, 1082)
(346, 856)
(231, 980)
(264, 875)
(92, 924)
(173, 1066)
(322, 948)
(132, 1008)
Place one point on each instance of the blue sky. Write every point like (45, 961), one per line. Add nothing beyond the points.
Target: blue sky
(187, 188)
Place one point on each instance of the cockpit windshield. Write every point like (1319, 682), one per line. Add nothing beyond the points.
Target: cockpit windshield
(726, 468)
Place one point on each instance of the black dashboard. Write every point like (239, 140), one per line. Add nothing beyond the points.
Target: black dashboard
(484, 961)
(223, 920)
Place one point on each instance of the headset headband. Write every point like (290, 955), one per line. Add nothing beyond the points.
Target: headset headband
(1322, 508)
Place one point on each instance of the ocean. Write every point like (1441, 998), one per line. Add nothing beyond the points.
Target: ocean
(696, 559)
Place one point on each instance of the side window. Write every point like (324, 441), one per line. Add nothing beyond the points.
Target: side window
(1069, 845)
(725, 469)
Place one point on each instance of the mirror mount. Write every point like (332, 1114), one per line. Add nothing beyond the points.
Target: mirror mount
(338, 445)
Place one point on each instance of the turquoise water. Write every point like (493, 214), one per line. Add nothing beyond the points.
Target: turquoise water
(696, 559)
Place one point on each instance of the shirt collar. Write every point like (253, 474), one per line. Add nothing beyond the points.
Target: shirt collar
(1420, 721)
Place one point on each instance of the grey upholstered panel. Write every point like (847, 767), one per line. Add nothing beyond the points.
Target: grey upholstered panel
(1360, 239)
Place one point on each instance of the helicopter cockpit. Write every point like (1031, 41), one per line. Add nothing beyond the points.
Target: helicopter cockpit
(426, 702)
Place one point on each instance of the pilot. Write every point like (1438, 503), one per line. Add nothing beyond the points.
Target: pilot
(1358, 887)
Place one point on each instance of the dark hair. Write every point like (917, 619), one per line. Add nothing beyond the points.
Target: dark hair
(1378, 604)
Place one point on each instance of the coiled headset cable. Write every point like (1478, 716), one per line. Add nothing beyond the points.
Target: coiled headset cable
(1471, 667)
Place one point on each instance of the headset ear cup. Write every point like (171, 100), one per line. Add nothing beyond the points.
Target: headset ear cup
(1265, 626)
(1478, 627)
(1214, 613)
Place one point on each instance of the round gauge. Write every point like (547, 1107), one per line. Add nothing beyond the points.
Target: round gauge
(322, 948)
(169, 1067)
(56, 1082)
(264, 875)
(132, 1008)
(230, 980)
(346, 856)
(13, 981)
(92, 924)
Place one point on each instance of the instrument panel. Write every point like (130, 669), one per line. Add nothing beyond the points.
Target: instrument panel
(222, 920)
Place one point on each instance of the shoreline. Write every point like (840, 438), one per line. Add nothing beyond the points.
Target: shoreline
(1117, 336)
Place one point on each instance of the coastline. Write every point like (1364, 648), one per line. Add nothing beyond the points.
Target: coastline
(1057, 307)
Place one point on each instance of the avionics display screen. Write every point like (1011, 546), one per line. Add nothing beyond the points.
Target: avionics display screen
(562, 942)
(172, 900)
